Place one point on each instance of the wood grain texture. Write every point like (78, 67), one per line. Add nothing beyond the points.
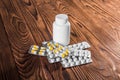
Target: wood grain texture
(8, 70)
(28, 22)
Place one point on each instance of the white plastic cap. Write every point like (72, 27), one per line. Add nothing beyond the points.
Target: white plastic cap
(61, 19)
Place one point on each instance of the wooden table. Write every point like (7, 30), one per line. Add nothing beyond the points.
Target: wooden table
(27, 22)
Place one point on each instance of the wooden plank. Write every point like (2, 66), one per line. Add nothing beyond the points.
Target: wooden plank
(20, 39)
(19, 33)
(8, 70)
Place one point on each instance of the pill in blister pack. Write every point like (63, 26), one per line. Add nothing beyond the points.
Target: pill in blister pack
(69, 56)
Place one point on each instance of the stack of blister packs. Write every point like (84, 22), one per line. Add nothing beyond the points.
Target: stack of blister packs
(69, 56)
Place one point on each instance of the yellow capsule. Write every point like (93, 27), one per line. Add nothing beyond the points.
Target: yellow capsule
(52, 45)
(35, 49)
(66, 53)
(51, 48)
(55, 51)
(56, 44)
(48, 44)
(43, 48)
(63, 55)
(32, 51)
(60, 47)
(35, 46)
(40, 52)
(67, 50)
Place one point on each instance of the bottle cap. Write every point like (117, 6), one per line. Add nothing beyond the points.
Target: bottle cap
(61, 19)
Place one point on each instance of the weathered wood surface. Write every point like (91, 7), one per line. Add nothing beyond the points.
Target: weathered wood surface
(27, 22)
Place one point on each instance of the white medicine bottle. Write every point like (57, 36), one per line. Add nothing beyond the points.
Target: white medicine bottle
(61, 29)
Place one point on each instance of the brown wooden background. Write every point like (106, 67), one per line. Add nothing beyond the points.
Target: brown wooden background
(27, 22)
